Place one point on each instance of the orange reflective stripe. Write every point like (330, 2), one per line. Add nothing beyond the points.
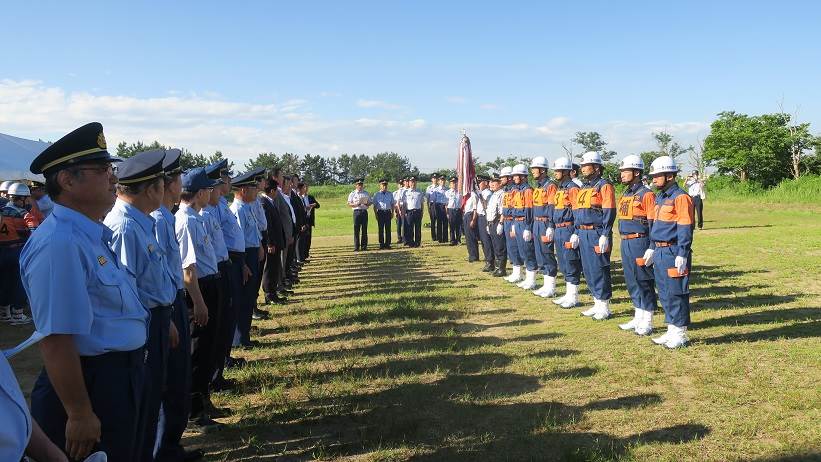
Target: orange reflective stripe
(551, 194)
(649, 205)
(607, 196)
(684, 210)
(527, 198)
(572, 197)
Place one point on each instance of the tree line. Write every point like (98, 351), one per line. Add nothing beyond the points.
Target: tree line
(764, 149)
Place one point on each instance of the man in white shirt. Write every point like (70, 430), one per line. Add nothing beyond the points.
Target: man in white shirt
(481, 223)
(696, 190)
(359, 200)
(470, 220)
(454, 212)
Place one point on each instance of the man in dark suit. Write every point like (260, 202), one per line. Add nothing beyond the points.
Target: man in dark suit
(292, 266)
(273, 240)
(310, 205)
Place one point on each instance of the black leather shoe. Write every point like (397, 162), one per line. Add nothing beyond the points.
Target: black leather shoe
(190, 455)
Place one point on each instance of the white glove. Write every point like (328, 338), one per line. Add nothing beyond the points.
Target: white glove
(500, 229)
(98, 456)
(549, 234)
(604, 244)
(526, 235)
(574, 241)
(648, 257)
(681, 264)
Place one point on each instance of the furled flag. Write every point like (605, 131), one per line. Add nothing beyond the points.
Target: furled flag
(465, 170)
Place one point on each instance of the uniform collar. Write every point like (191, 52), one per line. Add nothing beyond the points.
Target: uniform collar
(670, 190)
(145, 221)
(188, 210)
(95, 230)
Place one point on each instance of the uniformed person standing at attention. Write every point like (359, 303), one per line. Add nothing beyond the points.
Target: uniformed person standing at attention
(397, 199)
(441, 209)
(454, 212)
(140, 191)
(567, 249)
(671, 238)
(86, 305)
(201, 279)
(594, 214)
(635, 213)
(522, 212)
(544, 196)
(245, 196)
(383, 205)
(412, 204)
(430, 200)
(359, 200)
(495, 227)
(481, 228)
(511, 247)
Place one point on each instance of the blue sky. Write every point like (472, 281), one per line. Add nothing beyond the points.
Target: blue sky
(334, 77)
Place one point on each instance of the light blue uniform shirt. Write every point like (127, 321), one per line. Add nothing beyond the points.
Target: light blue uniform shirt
(259, 213)
(135, 244)
(76, 286)
(15, 420)
(247, 219)
(195, 243)
(167, 237)
(212, 225)
(441, 198)
(413, 199)
(231, 232)
(45, 205)
(383, 200)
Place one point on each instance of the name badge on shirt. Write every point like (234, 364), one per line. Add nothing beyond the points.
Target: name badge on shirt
(101, 260)
(626, 208)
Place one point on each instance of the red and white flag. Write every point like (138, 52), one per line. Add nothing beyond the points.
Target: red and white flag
(465, 170)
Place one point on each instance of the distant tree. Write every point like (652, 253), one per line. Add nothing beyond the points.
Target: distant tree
(125, 150)
(188, 160)
(217, 156)
(592, 141)
(669, 147)
(755, 148)
(390, 165)
(800, 141)
(267, 160)
(315, 169)
(497, 164)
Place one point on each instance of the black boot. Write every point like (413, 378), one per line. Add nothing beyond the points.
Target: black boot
(488, 267)
(500, 267)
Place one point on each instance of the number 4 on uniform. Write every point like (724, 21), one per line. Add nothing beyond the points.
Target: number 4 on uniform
(4, 229)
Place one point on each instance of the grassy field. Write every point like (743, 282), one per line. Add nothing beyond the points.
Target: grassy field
(418, 355)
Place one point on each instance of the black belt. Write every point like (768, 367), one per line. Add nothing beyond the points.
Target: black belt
(236, 255)
(115, 358)
(210, 277)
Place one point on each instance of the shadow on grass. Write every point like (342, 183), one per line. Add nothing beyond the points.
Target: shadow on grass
(811, 329)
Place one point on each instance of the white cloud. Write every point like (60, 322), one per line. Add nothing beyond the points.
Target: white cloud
(206, 123)
(375, 103)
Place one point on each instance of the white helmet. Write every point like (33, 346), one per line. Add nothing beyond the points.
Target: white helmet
(519, 169)
(591, 157)
(506, 171)
(5, 185)
(631, 162)
(663, 164)
(19, 189)
(562, 163)
(539, 162)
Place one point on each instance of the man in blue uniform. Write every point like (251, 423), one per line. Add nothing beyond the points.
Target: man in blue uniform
(430, 200)
(383, 205)
(412, 206)
(453, 206)
(359, 200)
(86, 305)
(201, 278)
(635, 213)
(442, 223)
(139, 192)
(562, 223)
(245, 195)
(671, 237)
(593, 214)
(397, 198)
(544, 195)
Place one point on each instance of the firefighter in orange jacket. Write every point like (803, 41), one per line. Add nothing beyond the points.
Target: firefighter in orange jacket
(594, 213)
(671, 238)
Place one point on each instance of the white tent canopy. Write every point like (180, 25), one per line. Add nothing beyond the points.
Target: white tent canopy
(16, 155)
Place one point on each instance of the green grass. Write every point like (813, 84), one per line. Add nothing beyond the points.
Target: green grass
(417, 355)
(805, 190)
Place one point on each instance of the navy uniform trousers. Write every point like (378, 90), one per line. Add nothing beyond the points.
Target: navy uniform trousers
(432, 216)
(639, 279)
(205, 343)
(442, 223)
(471, 236)
(674, 293)
(400, 228)
(360, 229)
(545, 254)
(498, 241)
(231, 280)
(176, 402)
(455, 225)
(114, 382)
(511, 245)
(413, 228)
(484, 237)
(570, 263)
(596, 266)
(242, 334)
(527, 254)
(383, 219)
(156, 366)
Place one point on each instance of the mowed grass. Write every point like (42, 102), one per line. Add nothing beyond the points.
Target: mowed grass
(418, 355)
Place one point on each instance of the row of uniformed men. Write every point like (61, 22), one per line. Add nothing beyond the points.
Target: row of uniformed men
(22, 208)
(113, 290)
(559, 225)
